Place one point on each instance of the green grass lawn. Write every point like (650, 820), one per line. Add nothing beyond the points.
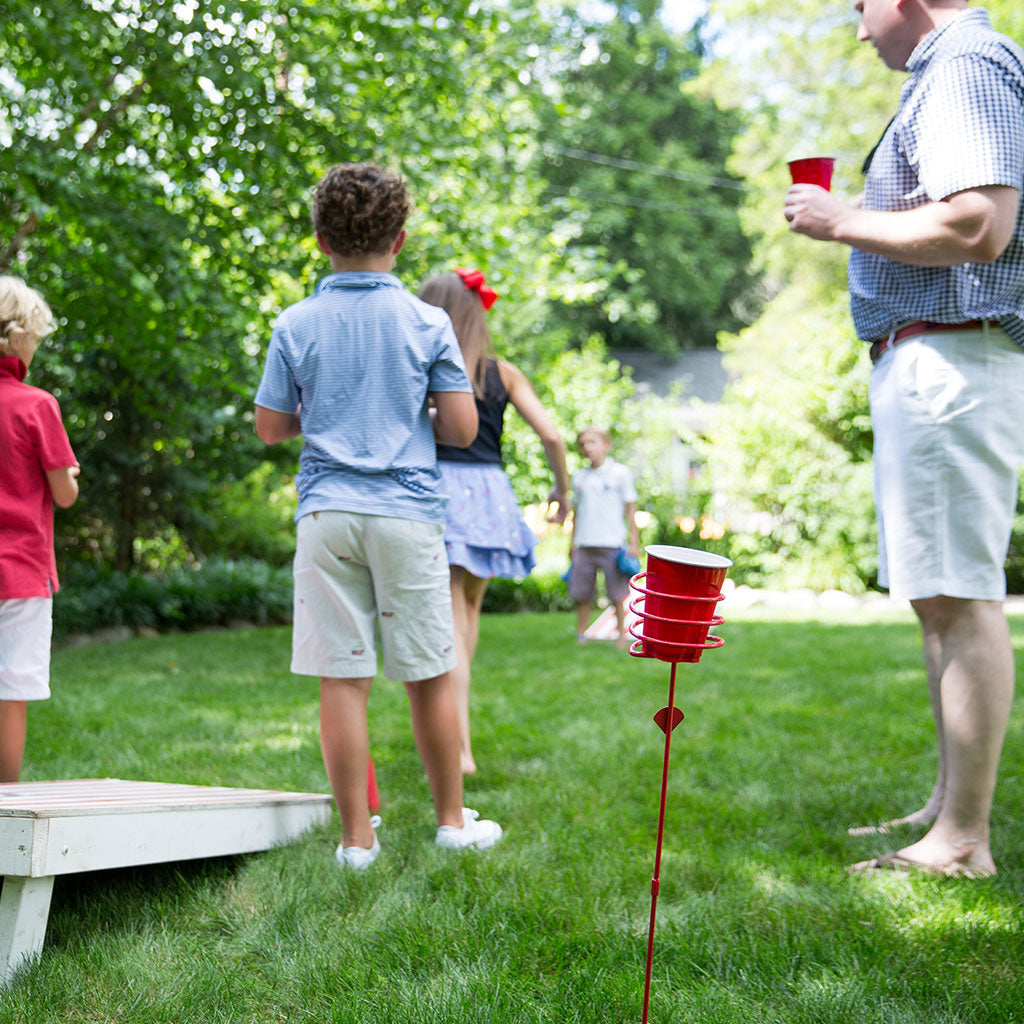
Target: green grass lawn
(794, 730)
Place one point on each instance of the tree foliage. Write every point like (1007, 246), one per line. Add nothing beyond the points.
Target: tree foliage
(790, 457)
(156, 164)
(634, 157)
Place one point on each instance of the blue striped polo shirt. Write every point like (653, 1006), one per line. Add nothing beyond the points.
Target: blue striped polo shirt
(960, 125)
(360, 356)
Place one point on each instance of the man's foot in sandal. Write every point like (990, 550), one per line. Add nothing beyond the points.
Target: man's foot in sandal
(922, 817)
(973, 865)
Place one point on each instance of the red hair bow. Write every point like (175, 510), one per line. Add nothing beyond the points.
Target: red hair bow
(474, 281)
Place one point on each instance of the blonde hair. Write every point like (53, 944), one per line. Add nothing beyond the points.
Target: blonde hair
(591, 429)
(24, 315)
(466, 310)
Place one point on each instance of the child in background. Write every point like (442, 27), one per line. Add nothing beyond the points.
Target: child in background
(353, 369)
(37, 468)
(485, 535)
(604, 521)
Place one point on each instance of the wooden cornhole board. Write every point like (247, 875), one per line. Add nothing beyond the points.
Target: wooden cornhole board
(57, 828)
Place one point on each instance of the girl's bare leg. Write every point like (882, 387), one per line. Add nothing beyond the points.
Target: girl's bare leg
(467, 598)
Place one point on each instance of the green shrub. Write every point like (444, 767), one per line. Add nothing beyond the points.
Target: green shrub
(789, 460)
(212, 594)
(538, 592)
(248, 519)
(221, 591)
(1015, 558)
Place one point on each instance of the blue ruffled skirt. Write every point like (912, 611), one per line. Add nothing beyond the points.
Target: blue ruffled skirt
(485, 532)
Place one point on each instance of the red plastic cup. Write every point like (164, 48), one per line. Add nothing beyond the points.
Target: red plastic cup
(813, 170)
(675, 572)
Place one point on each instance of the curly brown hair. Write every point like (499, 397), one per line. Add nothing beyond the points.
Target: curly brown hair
(360, 209)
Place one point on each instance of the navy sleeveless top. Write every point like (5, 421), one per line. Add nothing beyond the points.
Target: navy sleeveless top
(486, 447)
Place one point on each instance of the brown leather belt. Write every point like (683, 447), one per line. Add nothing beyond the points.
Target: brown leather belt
(919, 327)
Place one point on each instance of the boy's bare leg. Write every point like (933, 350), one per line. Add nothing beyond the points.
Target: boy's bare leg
(467, 598)
(13, 721)
(620, 618)
(345, 742)
(435, 724)
(582, 620)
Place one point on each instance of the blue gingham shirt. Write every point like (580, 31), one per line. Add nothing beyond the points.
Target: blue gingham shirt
(960, 125)
(361, 356)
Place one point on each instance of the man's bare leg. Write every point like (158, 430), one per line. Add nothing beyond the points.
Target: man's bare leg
(977, 679)
(928, 813)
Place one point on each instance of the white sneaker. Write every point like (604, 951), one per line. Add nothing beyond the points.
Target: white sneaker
(357, 857)
(474, 833)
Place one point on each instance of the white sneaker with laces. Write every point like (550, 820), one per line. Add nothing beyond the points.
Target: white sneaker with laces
(475, 834)
(358, 858)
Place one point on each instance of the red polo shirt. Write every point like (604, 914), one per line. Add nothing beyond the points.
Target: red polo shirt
(32, 441)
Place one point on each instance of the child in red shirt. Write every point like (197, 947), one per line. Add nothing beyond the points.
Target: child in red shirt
(37, 468)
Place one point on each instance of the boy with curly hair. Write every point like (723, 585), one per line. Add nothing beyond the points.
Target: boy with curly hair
(371, 378)
(37, 468)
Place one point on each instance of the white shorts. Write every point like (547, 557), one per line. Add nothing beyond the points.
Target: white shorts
(26, 626)
(946, 410)
(355, 573)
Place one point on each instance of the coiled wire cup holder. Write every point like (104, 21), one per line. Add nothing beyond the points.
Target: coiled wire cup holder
(672, 627)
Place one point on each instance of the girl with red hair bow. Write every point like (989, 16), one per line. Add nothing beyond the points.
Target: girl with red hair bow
(485, 534)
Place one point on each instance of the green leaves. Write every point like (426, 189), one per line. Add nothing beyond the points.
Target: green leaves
(635, 164)
(155, 172)
(156, 169)
(790, 457)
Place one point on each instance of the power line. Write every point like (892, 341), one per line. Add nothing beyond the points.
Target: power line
(647, 204)
(632, 165)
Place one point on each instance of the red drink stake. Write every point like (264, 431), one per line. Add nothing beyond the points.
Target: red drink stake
(372, 795)
(675, 610)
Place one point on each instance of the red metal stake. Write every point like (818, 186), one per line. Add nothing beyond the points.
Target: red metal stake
(372, 793)
(667, 718)
(673, 628)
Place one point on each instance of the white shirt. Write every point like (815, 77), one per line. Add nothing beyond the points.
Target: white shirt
(600, 496)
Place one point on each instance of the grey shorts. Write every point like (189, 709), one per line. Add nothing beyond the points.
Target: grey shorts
(357, 575)
(583, 578)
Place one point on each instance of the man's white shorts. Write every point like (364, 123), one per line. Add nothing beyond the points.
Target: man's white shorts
(356, 573)
(26, 626)
(947, 412)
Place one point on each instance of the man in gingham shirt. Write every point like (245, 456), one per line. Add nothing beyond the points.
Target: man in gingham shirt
(937, 288)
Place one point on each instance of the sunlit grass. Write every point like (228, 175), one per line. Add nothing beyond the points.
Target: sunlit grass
(794, 730)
